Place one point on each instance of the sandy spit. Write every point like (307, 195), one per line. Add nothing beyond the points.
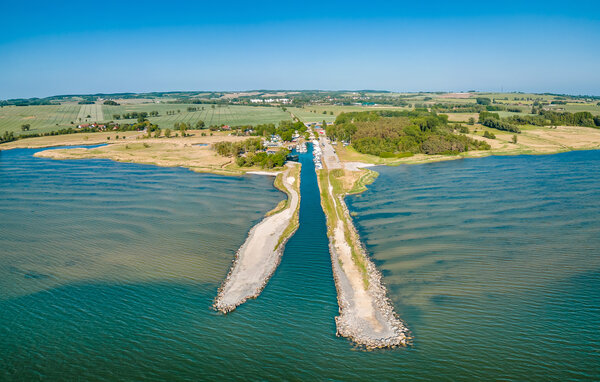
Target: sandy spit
(259, 256)
(262, 173)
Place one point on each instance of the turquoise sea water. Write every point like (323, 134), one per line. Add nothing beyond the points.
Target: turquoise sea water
(108, 271)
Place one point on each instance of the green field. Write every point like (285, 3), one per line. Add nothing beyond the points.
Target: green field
(48, 118)
(90, 113)
(219, 114)
(41, 118)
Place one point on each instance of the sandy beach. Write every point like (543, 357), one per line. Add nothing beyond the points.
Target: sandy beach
(259, 256)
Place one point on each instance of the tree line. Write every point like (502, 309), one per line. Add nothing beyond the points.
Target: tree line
(542, 118)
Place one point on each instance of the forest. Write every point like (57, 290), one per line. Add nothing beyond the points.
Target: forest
(389, 133)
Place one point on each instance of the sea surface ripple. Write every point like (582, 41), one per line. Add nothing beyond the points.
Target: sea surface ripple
(108, 272)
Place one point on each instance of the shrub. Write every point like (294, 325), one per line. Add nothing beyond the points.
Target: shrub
(489, 135)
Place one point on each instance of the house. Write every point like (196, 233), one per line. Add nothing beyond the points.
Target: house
(226, 127)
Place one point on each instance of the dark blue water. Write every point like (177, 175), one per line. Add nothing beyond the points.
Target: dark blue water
(109, 271)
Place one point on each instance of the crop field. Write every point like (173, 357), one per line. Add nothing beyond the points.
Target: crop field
(53, 117)
(90, 113)
(40, 118)
(577, 107)
(170, 114)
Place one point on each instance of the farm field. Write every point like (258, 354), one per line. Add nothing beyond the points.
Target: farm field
(53, 117)
(233, 115)
(41, 118)
(90, 113)
(577, 107)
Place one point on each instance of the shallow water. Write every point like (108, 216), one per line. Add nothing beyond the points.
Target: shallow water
(493, 262)
(108, 270)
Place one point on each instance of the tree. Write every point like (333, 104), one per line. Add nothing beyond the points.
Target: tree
(182, 128)
(286, 135)
(514, 139)
(157, 133)
(200, 124)
(483, 101)
(168, 133)
(25, 127)
(471, 121)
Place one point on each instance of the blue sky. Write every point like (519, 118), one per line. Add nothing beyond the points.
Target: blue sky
(87, 47)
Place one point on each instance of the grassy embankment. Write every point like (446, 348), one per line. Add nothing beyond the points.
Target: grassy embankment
(334, 185)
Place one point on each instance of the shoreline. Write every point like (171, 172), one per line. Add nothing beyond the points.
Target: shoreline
(541, 141)
(259, 256)
(200, 159)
